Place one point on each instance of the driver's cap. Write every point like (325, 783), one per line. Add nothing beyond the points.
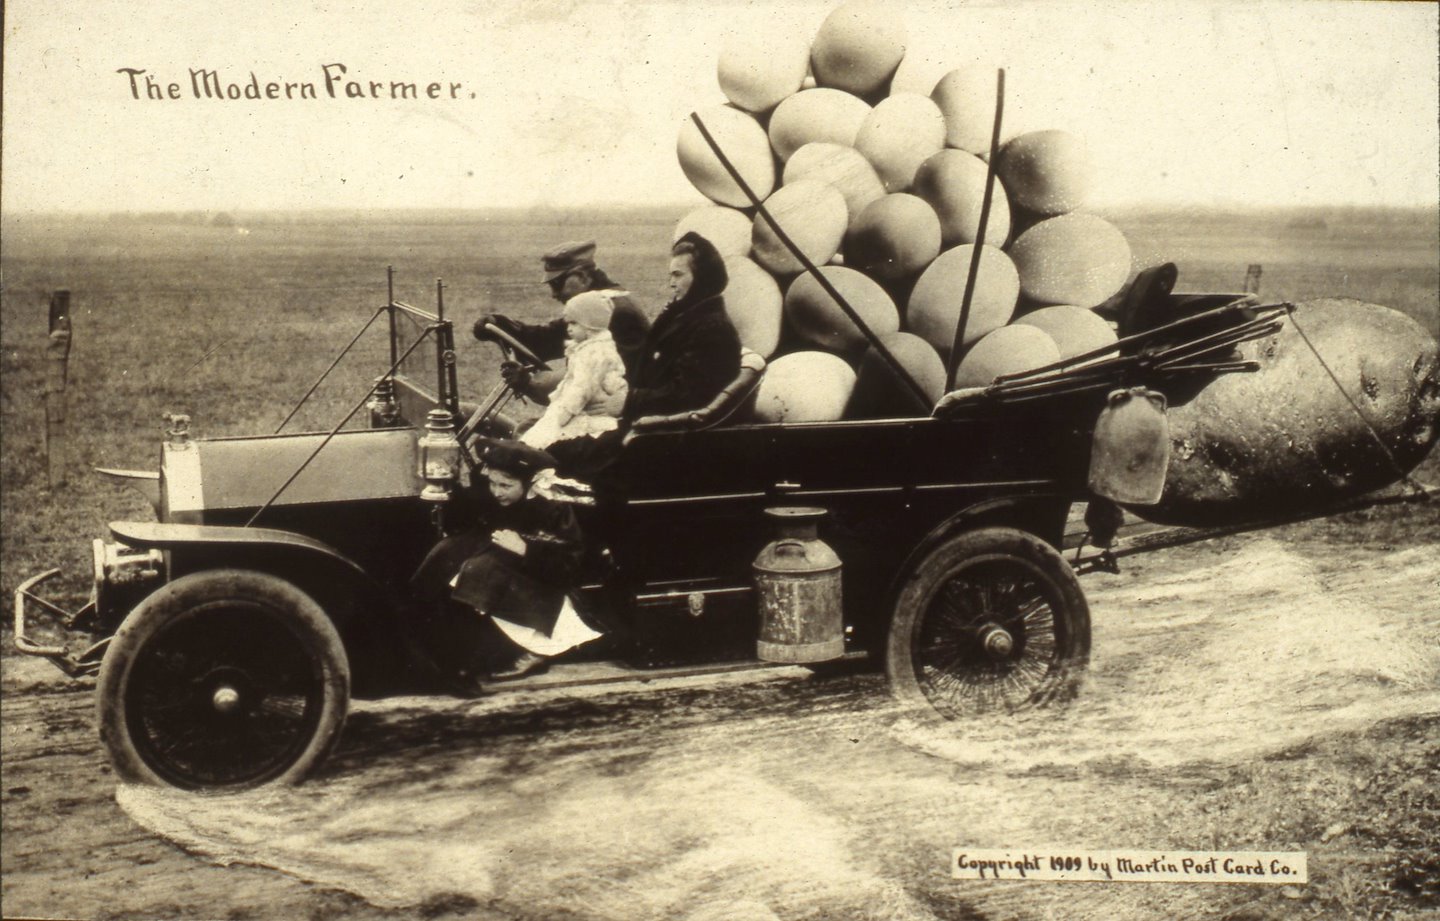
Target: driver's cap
(567, 257)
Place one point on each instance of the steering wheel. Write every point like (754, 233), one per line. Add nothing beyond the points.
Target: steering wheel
(513, 348)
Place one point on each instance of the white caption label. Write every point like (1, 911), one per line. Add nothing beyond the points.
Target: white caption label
(1082, 865)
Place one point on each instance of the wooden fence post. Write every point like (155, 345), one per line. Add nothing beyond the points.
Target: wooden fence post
(57, 360)
(1252, 279)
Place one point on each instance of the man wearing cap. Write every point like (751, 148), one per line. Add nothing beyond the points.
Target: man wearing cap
(569, 270)
(518, 565)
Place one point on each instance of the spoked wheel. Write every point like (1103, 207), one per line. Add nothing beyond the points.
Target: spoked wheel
(992, 620)
(223, 680)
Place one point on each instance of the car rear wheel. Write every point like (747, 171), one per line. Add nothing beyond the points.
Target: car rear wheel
(223, 680)
(992, 619)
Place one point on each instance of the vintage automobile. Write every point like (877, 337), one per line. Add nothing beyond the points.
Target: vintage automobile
(274, 582)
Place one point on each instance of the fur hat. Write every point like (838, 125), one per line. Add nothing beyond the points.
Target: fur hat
(590, 309)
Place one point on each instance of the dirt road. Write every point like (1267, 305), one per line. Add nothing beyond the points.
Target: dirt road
(1274, 692)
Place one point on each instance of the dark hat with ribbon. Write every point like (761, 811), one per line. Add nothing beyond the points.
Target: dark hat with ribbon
(567, 257)
(514, 457)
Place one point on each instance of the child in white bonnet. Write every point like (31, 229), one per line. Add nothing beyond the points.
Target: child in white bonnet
(588, 399)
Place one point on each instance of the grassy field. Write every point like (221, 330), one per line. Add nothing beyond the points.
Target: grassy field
(232, 323)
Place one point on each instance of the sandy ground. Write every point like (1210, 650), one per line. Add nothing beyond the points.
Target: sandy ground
(1272, 692)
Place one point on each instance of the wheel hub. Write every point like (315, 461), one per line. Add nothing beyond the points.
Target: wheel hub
(225, 699)
(997, 642)
(228, 692)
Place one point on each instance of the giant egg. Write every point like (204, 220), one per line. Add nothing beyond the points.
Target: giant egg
(812, 214)
(758, 70)
(858, 47)
(1007, 350)
(894, 237)
(879, 391)
(754, 304)
(1047, 172)
(899, 134)
(967, 96)
(1077, 259)
(953, 182)
(1074, 329)
(820, 114)
(817, 318)
(935, 301)
(805, 387)
(744, 143)
(842, 167)
(727, 228)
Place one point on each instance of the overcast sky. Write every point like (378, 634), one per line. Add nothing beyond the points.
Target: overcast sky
(1295, 102)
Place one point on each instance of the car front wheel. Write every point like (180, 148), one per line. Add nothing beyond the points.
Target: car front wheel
(222, 680)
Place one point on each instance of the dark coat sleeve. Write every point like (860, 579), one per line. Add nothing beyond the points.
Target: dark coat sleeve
(554, 547)
(702, 360)
(546, 340)
(628, 327)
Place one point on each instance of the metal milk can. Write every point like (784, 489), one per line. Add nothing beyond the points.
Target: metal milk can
(797, 581)
(1130, 452)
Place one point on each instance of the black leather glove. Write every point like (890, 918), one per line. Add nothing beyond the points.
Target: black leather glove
(514, 374)
(495, 320)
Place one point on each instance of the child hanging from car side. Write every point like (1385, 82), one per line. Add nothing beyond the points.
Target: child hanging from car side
(588, 400)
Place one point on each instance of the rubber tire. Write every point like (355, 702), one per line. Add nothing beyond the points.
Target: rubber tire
(313, 628)
(932, 572)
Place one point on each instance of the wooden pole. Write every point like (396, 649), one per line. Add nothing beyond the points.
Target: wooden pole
(957, 345)
(57, 360)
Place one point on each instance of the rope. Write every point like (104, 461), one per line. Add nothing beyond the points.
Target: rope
(1384, 448)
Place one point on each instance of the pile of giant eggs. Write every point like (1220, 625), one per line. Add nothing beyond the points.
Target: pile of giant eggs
(883, 191)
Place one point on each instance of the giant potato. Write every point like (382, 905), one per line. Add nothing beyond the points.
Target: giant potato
(1284, 439)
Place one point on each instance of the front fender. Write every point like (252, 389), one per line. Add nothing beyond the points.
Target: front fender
(153, 535)
(365, 611)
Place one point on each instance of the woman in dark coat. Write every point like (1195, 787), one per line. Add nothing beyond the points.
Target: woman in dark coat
(690, 354)
(692, 351)
(518, 565)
